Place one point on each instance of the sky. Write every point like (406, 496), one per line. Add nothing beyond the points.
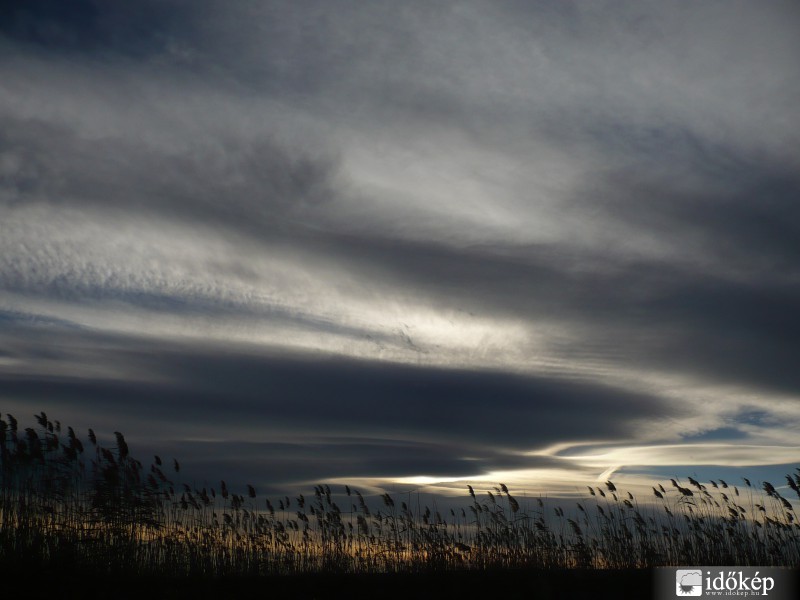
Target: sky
(406, 244)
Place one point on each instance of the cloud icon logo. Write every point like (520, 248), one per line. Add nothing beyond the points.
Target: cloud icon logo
(688, 583)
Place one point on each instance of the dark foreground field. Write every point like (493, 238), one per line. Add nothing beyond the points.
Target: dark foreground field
(504, 584)
(501, 584)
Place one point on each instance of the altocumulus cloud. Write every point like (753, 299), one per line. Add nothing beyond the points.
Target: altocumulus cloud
(391, 241)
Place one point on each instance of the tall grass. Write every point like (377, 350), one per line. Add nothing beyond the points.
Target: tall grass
(72, 504)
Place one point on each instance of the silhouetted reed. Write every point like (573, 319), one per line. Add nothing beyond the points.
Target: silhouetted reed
(85, 506)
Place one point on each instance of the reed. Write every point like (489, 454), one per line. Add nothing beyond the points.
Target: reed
(66, 504)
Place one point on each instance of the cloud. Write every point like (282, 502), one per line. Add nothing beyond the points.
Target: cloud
(359, 416)
(248, 185)
(89, 28)
(738, 455)
(468, 221)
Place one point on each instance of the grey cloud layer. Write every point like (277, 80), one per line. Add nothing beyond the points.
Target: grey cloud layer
(339, 417)
(609, 187)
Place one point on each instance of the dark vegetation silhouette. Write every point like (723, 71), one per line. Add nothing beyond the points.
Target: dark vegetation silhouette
(68, 505)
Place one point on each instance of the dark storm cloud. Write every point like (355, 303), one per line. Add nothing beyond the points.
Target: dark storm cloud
(619, 180)
(349, 418)
(249, 185)
(697, 319)
(288, 48)
(725, 202)
(736, 333)
(700, 321)
(92, 27)
(323, 395)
